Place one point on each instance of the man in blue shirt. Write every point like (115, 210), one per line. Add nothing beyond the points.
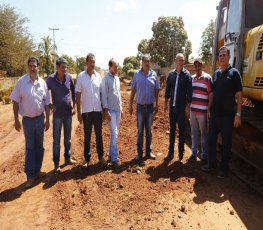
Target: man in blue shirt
(63, 98)
(179, 92)
(112, 105)
(146, 85)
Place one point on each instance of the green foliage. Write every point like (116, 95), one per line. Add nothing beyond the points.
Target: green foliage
(16, 43)
(130, 63)
(188, 50)
(130, 73)
(71, 64)
(45, 50)
(169, 38)
(206, 48)
(80, 64)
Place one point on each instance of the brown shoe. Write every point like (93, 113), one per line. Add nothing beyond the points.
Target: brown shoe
(40, 174)
(29, 183)
(103, 162)
(116, 164)
(85, 163)
(57, 169)
(70, 161)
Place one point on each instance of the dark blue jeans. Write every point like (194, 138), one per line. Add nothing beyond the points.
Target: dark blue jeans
(223, 125)
(34, 137)
(95, 119)
(144, 120)
(176, 116)
(58, 122)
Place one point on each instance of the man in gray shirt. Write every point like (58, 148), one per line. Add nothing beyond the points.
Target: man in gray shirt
(111, 102)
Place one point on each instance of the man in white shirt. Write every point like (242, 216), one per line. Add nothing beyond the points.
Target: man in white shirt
(88, 91)
(31, 99)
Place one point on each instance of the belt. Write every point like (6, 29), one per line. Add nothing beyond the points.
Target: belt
(33, 117)
(145, 105)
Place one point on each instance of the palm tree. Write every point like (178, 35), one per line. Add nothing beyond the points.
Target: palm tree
(45, 49)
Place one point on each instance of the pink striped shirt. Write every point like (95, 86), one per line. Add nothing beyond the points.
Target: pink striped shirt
(201, 89)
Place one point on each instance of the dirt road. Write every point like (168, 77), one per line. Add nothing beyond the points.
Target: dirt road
(153, 196)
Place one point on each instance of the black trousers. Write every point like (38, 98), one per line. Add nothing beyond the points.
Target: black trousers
(92, 119)
(223, 125)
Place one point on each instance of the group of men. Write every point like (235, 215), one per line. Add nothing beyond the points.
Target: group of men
(196, 97)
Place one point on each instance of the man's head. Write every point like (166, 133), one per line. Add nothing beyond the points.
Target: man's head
(90, 62)
(179, 61)
(113, 66)
(61, 65)
(33, 66)
(198, 64)
(146, 58)
(224, 57)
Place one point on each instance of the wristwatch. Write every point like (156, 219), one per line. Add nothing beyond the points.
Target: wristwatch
(238, 114)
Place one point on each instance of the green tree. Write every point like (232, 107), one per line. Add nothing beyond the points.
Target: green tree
(143, 46)
(45, 49)
(169, 38)
(188, 50)
(206, 48)
(129, 63)
(16, 44)
(71, 63)
(80, 64)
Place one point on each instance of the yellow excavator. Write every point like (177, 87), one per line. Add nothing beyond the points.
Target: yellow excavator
(239, 26)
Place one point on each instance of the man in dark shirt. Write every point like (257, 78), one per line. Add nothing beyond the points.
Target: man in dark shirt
(179, 92)
(226, 89)
(63, 98)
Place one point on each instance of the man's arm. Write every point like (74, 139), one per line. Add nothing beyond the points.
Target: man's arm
(133, 91)
(210, 101)
(156, 95)
(15, 111)
(78, 98)
(188, 96)
(47, 117)
(167, 93)
(237, 121)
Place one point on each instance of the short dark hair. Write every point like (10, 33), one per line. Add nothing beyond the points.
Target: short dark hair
(111, 61)
(90, 56)
(33, 59)
(61, 60)
(225, 48)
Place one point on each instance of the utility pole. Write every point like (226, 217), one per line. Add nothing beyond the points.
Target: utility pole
(54, 46)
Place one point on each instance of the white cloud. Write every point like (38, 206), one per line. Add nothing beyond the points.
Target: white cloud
(122, 5)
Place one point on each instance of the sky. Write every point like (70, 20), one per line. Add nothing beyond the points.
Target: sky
(109, 28)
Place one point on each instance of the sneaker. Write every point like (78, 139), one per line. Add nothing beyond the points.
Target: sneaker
(203, 161)
(208, 167)
(138, 157)
(40, 174)
(57, 168)
(192, 158)
(103, 162)
(150, 156)
(70, 161)
(85, 163)
(116, 164)
(221, 174)
(29, 183)
(168, 157)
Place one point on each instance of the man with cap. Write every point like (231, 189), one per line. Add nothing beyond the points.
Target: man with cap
(63, 98)
(201, 88)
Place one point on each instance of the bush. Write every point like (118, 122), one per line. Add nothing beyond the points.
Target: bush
(130, 73)
(5, 94)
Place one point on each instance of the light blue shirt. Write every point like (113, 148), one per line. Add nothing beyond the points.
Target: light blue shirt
(111, 96)
(145, 86)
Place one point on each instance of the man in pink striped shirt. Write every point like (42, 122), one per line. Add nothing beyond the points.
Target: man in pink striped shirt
(201, 87)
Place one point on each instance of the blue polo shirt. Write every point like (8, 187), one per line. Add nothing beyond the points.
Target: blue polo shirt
(145, 86)
(63, 94)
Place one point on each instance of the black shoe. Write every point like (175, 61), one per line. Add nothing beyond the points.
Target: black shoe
(138, 158)
(208, 167)
(168, 157)
(116, 164)
(203, 161)
(192, 158)
(221, 174)
(150, 156)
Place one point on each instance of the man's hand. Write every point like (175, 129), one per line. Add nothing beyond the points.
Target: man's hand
(79, 118)
(165, 108)
(130, 109)
(187, 111)
(156, 108)
(237, 121)
(17, 125)
(108, 116)
(46, 125)
(208, 115)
